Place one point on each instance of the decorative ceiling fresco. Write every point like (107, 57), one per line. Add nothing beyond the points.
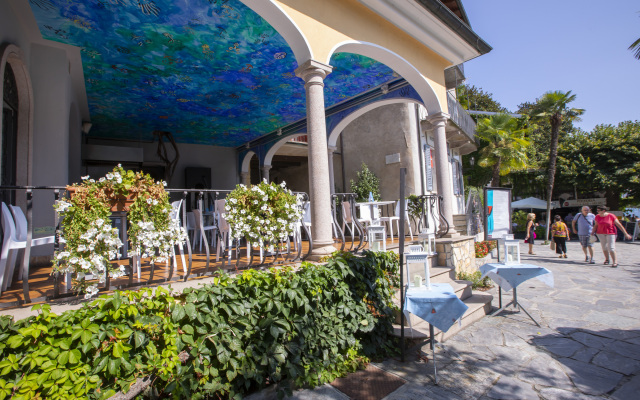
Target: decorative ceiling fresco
(208, 71)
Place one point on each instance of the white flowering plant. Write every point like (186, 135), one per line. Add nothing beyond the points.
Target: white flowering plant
(263, 214)
(91, 243)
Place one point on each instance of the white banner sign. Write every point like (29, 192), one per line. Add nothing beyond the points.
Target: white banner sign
(598, 201)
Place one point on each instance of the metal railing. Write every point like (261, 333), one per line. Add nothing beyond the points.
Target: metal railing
(431, 217)
(460, 117)
(341, 224)
(203, 196)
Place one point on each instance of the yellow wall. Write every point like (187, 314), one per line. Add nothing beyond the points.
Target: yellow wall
(327, 23)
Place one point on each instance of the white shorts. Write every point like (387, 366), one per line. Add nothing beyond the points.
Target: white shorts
(608, 242)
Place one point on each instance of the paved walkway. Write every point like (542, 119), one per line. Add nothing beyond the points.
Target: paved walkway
(588, 345)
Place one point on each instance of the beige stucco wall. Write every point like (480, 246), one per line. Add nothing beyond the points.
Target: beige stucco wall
(371, 137)
(328, 23)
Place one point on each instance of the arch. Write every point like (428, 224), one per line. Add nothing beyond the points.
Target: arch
(284, 25)
(337, 130)
(246, 161)
(398, 64)
(12, 55)
(276, 146)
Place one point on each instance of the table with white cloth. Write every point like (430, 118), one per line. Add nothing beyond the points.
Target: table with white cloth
(439, 307)
(510, 276)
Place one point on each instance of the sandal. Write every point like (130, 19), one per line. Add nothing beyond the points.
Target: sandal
(565, 256)
(606, 262)
(614, 265)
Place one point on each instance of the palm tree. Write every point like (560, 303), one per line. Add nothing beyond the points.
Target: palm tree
(554, 107)
(635, 47)
(504, 149)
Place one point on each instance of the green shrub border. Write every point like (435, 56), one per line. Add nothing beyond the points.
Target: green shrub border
(226, 339)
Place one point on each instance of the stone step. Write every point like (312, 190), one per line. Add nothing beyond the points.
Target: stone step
(438, 273)
(479, 304)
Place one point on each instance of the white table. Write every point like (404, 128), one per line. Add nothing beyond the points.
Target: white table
(373, 205)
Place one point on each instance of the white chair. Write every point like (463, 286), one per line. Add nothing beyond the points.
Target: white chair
(366, 216)
(191, 227)
(226, 239)
(14, 240)
(396, 217)
(348, 220)
(176, 207)
(202, 229)
(306, 220)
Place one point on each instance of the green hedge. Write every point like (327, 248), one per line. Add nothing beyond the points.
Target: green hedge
(238, 335)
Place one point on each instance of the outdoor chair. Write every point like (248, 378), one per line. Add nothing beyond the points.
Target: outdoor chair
(15, 239)
(396, 217)
(226, 239)
(201, 229)
(176, 207)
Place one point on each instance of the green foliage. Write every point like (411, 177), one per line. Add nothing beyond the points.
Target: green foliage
(365, 183)
(226, 339)
(475, 278)
(520, 218)
(503, 147)
(414, 206)
(606, 159)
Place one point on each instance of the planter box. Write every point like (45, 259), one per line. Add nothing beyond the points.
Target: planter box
(118, 203)
(484, 260)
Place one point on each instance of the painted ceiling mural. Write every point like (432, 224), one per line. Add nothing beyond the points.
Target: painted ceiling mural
(208, 71)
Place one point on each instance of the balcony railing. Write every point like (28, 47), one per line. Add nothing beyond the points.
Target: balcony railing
(460, 117)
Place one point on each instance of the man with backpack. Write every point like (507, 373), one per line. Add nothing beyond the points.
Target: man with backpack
(584, 219)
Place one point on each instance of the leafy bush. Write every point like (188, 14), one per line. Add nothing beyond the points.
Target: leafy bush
(483, 248)
(235, 336)
(520, 218)
(474, 278)
(366, 182)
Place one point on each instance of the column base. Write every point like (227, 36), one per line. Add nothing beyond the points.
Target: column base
(321, 251)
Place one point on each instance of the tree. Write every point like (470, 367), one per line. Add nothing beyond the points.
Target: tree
(365, 183)
(635, 47)
(606, 159)
(473, 98)
(504, 145)
(554, 107)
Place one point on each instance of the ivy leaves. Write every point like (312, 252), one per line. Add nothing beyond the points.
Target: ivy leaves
(303, 328)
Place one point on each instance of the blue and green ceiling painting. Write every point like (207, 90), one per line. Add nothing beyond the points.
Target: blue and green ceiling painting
(208, 71)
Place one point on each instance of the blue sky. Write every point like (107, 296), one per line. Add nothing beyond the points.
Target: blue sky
(577, 45)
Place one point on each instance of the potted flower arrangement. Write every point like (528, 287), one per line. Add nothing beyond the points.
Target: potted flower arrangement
(90, 241)
(263, 214)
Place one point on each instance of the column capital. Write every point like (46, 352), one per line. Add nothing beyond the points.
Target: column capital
(332, 149)
(266, 167)
(313, 69)
(437, 118)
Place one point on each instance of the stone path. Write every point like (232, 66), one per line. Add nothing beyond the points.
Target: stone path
(588, 345)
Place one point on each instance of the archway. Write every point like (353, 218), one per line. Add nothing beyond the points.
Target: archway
(286, 27)
(398, 64)
(288, 161)
(249, 169)
(12, 63)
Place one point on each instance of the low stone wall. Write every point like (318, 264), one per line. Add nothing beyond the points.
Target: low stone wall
(458, 253)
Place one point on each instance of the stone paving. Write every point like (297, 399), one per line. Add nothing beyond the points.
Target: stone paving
(588, 345)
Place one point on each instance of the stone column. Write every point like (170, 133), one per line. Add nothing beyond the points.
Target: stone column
(332, 178)
(246, 178)
(313, 74)
(438, 122)
(265, 172)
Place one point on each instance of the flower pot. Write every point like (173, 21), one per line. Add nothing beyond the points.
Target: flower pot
(119, 203)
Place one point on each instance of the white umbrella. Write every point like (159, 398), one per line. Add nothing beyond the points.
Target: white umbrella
(531, 203)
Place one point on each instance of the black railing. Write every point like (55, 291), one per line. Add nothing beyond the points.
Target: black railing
(202, 196)
(343, 209)
(431, 217)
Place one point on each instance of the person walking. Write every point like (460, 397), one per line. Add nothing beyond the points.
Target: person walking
(531, 234)
(584, 220)
(560, 234)
(604, 226)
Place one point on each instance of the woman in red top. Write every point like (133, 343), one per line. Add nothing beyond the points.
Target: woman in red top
(605, 227)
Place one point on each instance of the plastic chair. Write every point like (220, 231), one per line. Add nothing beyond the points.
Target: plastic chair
(202, 229)
(176, 207)
(14, 240)
(396, 218)
(226, 239)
